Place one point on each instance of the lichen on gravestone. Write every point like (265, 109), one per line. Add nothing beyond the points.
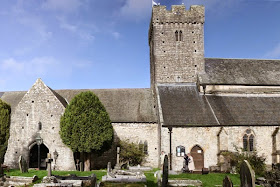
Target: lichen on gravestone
(22, 164)
(247, 175)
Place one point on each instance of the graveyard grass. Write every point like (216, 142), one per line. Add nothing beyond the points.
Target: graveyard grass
(208, 180)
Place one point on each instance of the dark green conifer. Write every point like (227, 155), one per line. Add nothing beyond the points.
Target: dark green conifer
(85, 126)
(5, 116)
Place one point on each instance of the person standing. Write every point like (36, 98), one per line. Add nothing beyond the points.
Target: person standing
(186, 163)
(191, 163)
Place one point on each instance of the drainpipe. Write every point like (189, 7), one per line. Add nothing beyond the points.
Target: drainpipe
(170, 145)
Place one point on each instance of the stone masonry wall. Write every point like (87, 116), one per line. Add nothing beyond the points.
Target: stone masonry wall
(38, 105)
(136, 132)
(171, 60)
(207, 139)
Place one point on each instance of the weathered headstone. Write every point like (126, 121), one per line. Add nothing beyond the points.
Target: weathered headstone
(22, 164)
(227, 182)
(165, 172)
(118, 159)
(109, 168)
(247, 175)
(49, 166)
(81, 166)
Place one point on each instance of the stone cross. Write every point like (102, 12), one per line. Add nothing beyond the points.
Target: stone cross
(165, 172)
(118, 159)
(227, 182)
(247, 175)
(49, 167)
(22, 164)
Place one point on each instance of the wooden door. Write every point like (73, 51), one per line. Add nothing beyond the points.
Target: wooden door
(198, 157)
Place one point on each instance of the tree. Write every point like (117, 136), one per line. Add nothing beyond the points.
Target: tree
(85, 126)
(5, 112)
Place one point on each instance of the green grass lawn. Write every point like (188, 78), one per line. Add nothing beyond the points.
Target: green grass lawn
(208, 180)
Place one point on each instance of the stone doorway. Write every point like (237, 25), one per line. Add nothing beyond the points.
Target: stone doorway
(33, 156)
(198, 157)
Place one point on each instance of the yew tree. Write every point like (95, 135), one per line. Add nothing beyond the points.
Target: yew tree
(86, 127)
(5, 112)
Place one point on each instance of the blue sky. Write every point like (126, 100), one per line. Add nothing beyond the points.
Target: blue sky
(74, 44)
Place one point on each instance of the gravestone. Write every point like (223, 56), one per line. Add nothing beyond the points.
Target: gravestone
(165, 172)
(247, 175)
(22, 164)
(109, 171)
(227, 182)
(109, 168)
(81, 166)
(118, 159)
(49, 166)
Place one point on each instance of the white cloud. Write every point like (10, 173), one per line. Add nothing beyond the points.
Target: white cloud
(274, 53)
(136, 9)
(62, 5)
(12, 65)
(84, 31)
(35, 67)
(116, 35)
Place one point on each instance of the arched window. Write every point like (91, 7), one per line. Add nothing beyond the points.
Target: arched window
(141, 145)
(146, 147)
(180, 36)
(176, 35)
(248, 140)
(245, 142)
(251, 142)
(39, 126)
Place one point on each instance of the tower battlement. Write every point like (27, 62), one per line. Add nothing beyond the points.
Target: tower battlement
(178, 14)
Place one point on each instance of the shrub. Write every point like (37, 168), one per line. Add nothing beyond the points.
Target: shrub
(236, 158)
(5, 111)
(131, 152)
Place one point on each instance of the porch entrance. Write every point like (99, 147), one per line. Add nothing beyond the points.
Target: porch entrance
(198, 157)
(33, 156)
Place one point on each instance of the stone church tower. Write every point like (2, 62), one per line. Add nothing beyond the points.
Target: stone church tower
(176, 42)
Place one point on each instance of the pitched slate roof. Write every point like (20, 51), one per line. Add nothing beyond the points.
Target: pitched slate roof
(123, 105)
(13, 98)
(182, 105)
(241, 72)
(242, 110)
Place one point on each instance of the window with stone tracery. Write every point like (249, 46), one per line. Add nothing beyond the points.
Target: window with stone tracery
(248, 140)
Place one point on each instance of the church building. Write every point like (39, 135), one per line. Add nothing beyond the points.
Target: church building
(196, 105)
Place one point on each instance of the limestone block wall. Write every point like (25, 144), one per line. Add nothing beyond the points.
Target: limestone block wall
(175, 60)
(207, 139)
(136, 132)
(39, 105)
